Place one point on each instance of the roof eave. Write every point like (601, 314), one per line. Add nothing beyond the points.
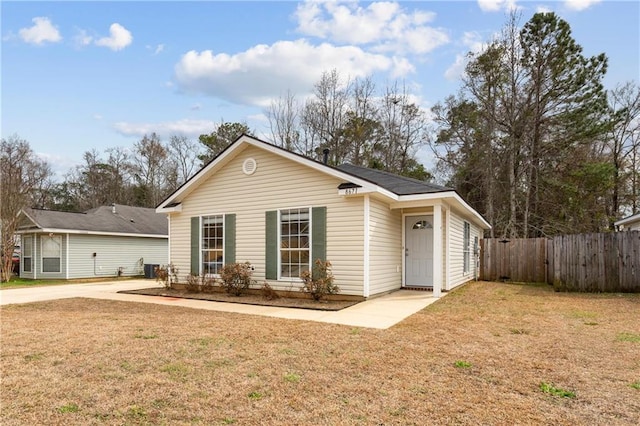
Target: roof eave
(415, 199)
(627, 220)
(85, 232)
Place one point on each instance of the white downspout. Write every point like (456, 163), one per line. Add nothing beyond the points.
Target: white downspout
(66, 272)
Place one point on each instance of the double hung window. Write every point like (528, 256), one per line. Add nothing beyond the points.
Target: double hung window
(51, 253)
(212, 244)
(466, 247)
(295, 235)
(27, 253)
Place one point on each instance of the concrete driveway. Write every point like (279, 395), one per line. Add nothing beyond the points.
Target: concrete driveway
(380, 312)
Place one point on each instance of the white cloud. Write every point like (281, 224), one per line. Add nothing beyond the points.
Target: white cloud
(119, 38)
(456, 69)
(156, 50)
(257, 75)
(82, 39)
(383, 26)
(473, 43)
(543, 9)
(497, 5)
(97, 117)
(41, 32)
(186, 127)
(580, 4)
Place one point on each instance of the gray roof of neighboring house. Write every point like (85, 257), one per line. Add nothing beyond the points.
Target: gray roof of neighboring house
(399, 185)
(125, 220)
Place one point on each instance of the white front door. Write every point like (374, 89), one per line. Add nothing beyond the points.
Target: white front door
(418, 251)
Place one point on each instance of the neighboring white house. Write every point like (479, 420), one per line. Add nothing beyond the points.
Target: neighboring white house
(106, 241)
(280, 211)
(631, 223)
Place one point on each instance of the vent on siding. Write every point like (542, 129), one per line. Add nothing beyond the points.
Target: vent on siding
(249, 166)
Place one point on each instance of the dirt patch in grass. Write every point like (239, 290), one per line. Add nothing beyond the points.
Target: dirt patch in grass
(248, 299)
(86, 361)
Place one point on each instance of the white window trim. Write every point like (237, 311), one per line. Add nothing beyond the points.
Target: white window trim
(42, 255)
(466, 249)
(293, 279)
(200, 249)
(31, 240)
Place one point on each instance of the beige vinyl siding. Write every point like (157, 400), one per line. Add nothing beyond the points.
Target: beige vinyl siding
(456, 261)
(385, 253)
(113, 252)
(444, 248)
(457, 251)
(278, 183)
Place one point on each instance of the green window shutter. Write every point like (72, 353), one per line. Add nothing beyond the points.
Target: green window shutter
(229, 238)
(271, 245)
(318, 233)
(195, 245)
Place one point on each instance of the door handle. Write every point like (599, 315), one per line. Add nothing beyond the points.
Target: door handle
(406, 251)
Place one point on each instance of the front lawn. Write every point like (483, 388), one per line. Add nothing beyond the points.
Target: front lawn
(487, 353)
(17, 282)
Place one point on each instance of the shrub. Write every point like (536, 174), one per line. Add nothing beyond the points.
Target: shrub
(268, 292)
(236, 277)
(200, 283)
(319, 282)
(166, 275)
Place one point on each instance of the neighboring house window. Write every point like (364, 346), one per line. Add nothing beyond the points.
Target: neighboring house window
(212, 244)
(295, 227)
(51, 253)
(27, 249)
(466, 247)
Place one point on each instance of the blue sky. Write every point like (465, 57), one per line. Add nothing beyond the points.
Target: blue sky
(78, 76)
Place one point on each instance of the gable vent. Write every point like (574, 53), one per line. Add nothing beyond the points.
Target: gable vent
(249, 166)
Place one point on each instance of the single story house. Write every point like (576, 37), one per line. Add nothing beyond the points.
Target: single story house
(281, 211)
(631, 223)
(114, 240)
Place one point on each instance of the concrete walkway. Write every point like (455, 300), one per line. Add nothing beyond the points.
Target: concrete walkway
(380, 312)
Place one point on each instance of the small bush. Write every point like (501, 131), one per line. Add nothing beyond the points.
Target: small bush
(166, 275)
(236, 277)
(268, 292)
(200, 283)
(319, 282)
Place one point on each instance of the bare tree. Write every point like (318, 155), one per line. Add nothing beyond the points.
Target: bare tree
(623, 145)
(22, 175)
(324, 115)
(404, 130)
(148, 159)
(283, 115)
(184, 153)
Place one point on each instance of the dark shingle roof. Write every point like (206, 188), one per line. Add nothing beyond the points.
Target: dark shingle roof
(399, 185)
(126, 220)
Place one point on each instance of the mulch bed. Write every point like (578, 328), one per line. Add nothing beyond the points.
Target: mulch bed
(248, 299)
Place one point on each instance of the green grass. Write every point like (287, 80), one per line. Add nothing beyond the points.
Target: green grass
(17, 282)
(69, 408)
(462, 364)
(552, 390)
(635, 385)
(292, 377)
(255, 395)
(628, 337)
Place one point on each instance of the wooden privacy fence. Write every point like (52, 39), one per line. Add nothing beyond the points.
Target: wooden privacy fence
(605, 262)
